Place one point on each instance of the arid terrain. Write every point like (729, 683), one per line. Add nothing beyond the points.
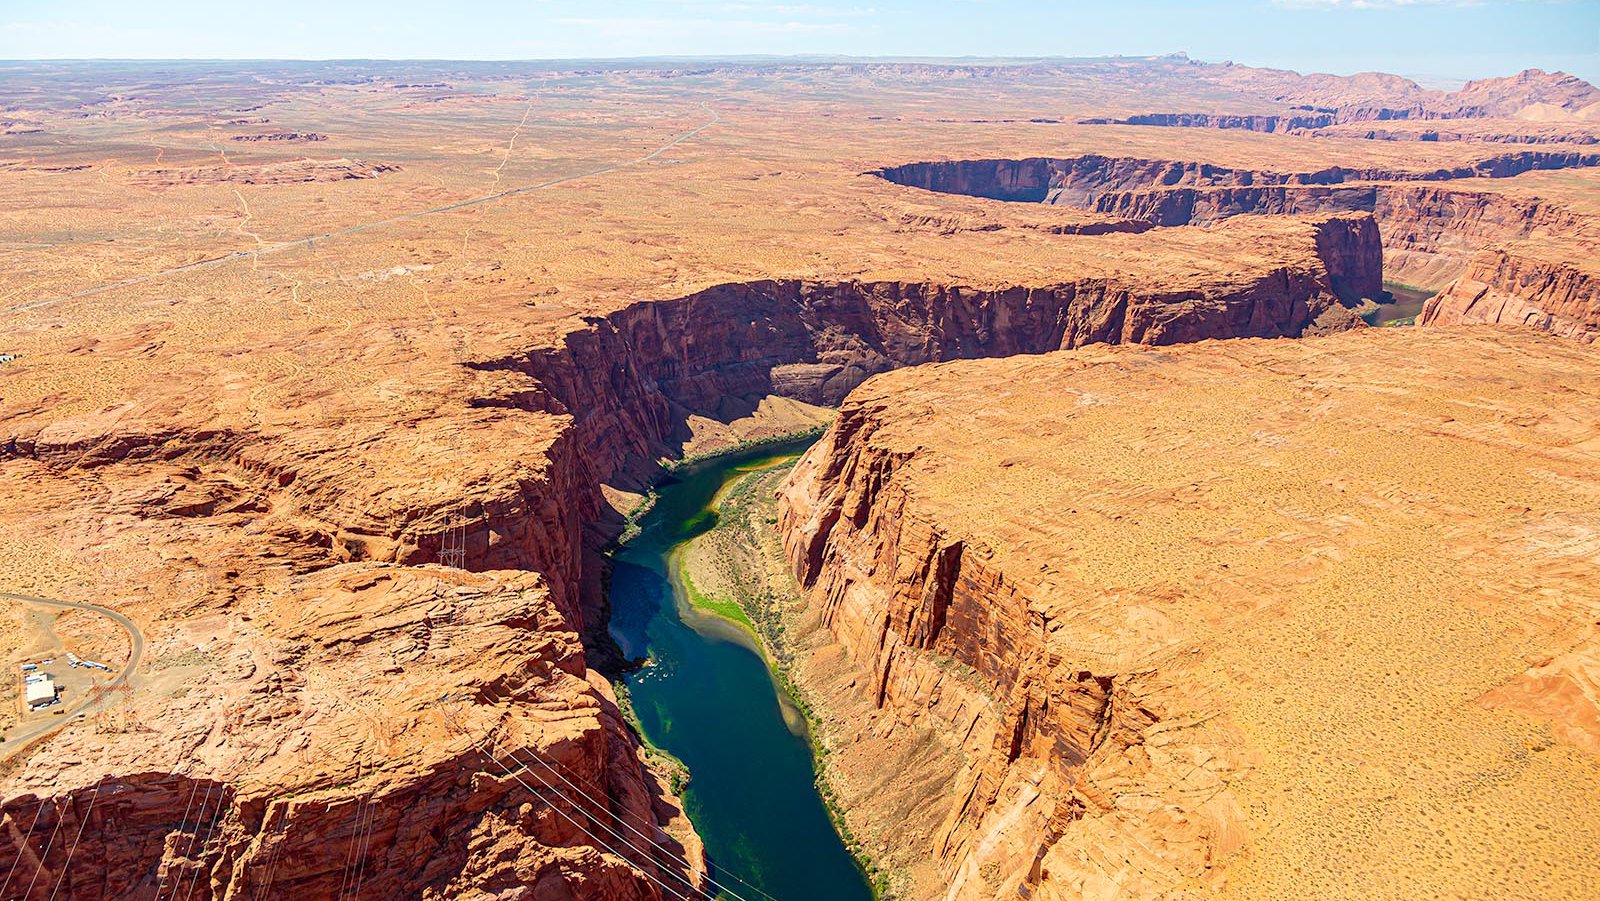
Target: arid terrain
(336, 378)
(1261, 619)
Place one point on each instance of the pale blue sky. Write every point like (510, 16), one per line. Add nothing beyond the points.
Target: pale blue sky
(1434, 39)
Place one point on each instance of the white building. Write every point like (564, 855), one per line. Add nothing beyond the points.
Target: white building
(41, 691)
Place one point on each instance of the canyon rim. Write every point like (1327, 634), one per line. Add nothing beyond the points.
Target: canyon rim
(1129, 560)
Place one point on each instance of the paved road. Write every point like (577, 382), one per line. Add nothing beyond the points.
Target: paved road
(238, 255)
(17, 742)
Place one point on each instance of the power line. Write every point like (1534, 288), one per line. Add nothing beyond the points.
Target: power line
(67, 864)
(366, 847)
(212, 825)
(37, 813)
(676, 892)
(194, 785)
(624, 821)
(46, 853)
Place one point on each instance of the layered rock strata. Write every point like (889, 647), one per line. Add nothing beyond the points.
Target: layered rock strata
(387, 732)
(338, 519)
(1430, 232)
(1503, 288)
(1205, 586)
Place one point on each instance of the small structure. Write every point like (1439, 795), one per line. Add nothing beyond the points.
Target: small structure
(72, 660)
(40, 691)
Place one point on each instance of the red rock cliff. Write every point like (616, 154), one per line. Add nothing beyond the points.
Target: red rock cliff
(1503, 288)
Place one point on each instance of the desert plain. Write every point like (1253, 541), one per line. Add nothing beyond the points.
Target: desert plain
(336, 379)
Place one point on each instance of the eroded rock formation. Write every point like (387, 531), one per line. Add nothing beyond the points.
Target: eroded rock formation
(394, 732)
(1219, 640)
(1499, 287)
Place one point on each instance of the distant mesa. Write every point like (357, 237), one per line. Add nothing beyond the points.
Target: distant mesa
(286, 137)
(288, 172)
(1324, 101)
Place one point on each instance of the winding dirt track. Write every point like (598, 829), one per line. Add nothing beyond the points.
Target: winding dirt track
(356, 229)
(136, 638)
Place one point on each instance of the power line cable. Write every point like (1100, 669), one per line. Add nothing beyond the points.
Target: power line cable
(37, 814)
(67, 865)
(629, 826)
(675, 892)
(43, 856)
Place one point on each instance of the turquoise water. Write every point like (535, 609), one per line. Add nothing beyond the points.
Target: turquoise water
(707, 697)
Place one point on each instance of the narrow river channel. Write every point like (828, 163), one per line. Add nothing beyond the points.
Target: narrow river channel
(707, 697)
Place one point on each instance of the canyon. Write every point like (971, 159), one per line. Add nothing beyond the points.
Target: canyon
(1210, 660)
(1432, 235)
(348, 438)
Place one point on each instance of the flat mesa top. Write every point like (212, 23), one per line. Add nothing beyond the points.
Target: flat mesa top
(1371, 560)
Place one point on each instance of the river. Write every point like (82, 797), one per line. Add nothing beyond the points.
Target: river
(707, 697)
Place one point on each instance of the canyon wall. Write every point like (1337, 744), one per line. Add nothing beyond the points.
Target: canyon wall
(349, 511)
(1429, 231)
(1080, 181)
(1157, 565)
(628, 379)
(486, 767)
(1500, 287)
(903, 597)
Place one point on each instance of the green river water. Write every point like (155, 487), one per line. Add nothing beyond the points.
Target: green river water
(707, 697)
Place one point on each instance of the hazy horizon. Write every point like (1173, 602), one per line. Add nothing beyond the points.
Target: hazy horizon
(1438, 42)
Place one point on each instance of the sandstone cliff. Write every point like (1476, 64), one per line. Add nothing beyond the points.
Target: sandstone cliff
(273, 515)
(388, 732)
(1503, 288)
(1227, 660)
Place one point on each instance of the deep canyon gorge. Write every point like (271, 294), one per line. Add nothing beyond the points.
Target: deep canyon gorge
(354, 468)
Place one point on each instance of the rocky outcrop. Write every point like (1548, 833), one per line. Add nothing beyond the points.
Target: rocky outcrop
(282, 137)
(403, 733)
(1502, 288)
(291, 172)
(1201, 636)
(1082, 181)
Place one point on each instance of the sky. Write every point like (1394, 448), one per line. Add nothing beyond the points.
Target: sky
(1438, 41)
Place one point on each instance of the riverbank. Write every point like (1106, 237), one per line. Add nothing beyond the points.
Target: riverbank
(885, 781)
(705, 696)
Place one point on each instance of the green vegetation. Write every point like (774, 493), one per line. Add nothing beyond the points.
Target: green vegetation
(745, 545)
(677, 773)
(727, 608)
(630, 522)
(743, 446)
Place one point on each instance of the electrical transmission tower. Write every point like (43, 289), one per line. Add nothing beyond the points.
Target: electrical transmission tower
(453, 543)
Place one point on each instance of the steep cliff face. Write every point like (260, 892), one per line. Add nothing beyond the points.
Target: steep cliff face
(1203, 638)
(1267, 124)
(1081, 181)
(1500, 287)
(629, 378)
(487, 766)
(1429, 232)
(904, 595)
